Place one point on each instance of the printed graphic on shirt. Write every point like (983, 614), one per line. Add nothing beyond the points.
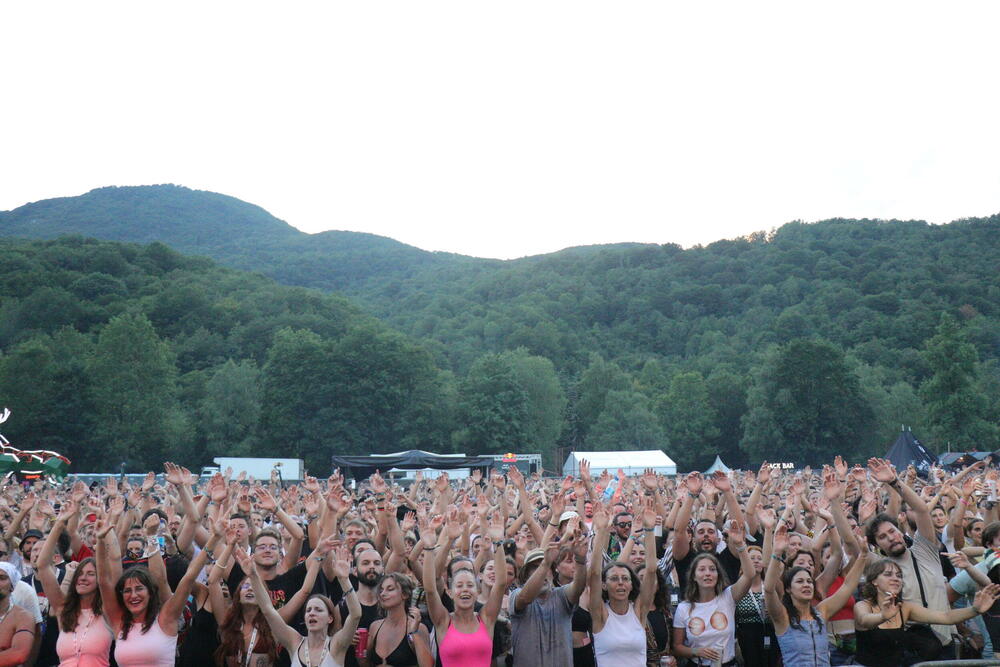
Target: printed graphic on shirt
(719, 621)
(696, 626)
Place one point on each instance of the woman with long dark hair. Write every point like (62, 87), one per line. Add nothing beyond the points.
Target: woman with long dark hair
(84, 635)
(399, 639)
(798, 625)
(138, 603)
(705, 622)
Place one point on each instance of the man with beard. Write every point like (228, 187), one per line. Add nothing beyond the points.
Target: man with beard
(541, 615)
(17, 627)
(368, 570)
(883, 532)
(705, 537)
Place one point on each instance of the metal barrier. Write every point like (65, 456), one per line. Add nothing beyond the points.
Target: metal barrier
(980, 662)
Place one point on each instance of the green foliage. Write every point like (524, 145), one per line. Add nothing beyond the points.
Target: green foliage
(492, 407)
(805, 403)
(689, 419)
(620, 318)
(133, 382)
(626, 422)
(956, 410)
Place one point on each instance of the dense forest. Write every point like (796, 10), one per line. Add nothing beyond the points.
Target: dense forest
(786, 345)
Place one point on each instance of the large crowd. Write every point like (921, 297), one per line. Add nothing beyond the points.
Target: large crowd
(863, 565)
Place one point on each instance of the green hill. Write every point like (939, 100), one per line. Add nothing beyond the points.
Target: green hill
(651, 343)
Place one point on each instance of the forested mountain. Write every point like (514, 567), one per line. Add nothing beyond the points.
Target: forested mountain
(781, 344)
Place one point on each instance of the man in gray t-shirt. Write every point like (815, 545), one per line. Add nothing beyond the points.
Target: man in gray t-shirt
(540, 615)
(883, 532)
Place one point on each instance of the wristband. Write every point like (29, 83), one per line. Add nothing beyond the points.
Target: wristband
(777, 558)
(692, 495)
(554, 525)
(580, 561)
(319, 559)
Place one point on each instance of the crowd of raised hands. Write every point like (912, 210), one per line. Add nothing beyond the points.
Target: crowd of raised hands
(845, 564)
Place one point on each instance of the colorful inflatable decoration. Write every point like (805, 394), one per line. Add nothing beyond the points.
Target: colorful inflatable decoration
(29, 465)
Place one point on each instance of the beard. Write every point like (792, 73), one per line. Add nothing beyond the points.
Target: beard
(369, 578)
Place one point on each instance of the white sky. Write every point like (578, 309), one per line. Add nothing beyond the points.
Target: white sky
(511, 128)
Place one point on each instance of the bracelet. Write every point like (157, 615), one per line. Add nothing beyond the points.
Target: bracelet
(319, 559)
(777, 558)
(647, 530)
(221, 567)
(554, 525)
(692, 495)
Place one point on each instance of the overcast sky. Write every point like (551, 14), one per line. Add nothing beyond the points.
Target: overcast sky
(512, 128)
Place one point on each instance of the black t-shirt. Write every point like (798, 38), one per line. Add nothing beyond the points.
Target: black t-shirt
(730, 565)
(369, 614)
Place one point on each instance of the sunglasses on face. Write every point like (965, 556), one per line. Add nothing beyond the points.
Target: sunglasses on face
(624, 524)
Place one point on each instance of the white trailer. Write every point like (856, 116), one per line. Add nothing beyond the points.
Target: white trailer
(292, 470)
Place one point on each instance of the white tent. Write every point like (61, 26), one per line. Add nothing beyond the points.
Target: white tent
(633, 463)
(718, 465)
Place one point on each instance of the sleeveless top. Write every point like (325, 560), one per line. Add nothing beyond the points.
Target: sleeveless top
(807, 647)
(622, 640)
(327, 661)
(401, 656)
(461, 649)
(89, 645)
(154, 649)
(751, 609)
(880, 647)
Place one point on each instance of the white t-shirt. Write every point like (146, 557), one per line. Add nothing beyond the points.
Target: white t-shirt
(709, 624)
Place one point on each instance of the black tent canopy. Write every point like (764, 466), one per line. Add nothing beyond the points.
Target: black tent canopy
(907, 450)
(360, 467)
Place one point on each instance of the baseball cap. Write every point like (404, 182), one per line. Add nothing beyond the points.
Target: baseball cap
(534, 555)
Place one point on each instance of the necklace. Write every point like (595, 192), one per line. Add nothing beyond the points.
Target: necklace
(78, 640)
(309, 653)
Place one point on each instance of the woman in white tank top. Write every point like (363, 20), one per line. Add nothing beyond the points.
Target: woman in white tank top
(619, 614)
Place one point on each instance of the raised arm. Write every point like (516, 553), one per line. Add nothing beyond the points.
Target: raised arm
(649, 582)
(736, 538)
(286, 636)
(524, 498)
(533, 586)
(493, 604)
(983, 601)
(836, 602)
(775, 568)
(341, 558)
(883, 472)
(173, 605)
(687, 493)
(108, 571)
(46, 572)
(432, 542)
(599, 547)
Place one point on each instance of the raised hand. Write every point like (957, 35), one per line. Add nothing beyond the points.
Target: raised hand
(148, 482)
(584, 469)
(341, 562)
(67, 510)
(721, 481)
(496, 526)
(766, 517)
(780, 543)
(557, 505)
(580, 544)
(736, 534)
(881, 470)
(116, 506)
(832, 488)
(764, 474)
(174, 474)
(959, 560)
(693, 483)
(648, 514)
(111, 487)
(79, 493)
(649, 479)
(601, 518)
(840, 466)
(265, 500)
(377, 483)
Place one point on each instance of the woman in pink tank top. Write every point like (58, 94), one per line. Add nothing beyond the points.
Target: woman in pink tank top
(84, 636)
(465, 638)
(138, 603)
